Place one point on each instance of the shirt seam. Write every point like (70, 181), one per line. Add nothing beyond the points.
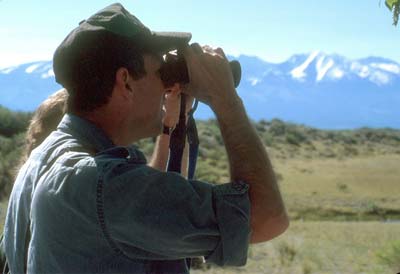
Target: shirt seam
(101, 219)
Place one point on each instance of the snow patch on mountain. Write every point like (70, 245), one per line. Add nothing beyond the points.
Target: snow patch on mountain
(8, 70)
(32, 68)
(48, 74)
(322, 68)
(393, 68)
(41, 68)
(379, 78)
(361, 70)
(299, 72)
(375, 72)
(336, 73)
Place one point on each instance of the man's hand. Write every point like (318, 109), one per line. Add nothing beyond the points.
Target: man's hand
(172, 106)
(211, 79)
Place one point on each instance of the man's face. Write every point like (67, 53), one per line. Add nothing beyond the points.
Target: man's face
(148, 98)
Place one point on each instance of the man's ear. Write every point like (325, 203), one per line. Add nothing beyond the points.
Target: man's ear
(122, 81)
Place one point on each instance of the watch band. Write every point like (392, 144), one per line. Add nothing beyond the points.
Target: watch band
(166, 130)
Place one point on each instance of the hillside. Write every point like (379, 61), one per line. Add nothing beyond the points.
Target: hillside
(350, 176)
(323, 174)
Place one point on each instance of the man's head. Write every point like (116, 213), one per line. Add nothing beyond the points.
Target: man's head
(87, 62)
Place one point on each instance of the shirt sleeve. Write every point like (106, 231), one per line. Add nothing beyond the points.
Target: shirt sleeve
(162, 216)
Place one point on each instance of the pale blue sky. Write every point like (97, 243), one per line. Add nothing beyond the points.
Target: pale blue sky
(273, 30)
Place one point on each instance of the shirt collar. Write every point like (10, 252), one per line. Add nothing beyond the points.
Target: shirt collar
(85, 131)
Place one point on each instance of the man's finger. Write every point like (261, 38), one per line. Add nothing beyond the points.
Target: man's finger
(196, 48)
(220, 52)
(208, 49)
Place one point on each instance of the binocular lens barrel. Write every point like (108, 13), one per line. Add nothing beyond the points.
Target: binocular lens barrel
(175, 70)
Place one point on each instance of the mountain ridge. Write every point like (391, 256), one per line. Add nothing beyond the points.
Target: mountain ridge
(317, 89)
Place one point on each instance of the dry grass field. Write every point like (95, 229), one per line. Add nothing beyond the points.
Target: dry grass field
(358, 188)
(324, 247)
(345, 218)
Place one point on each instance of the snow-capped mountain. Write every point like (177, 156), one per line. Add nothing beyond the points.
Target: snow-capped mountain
(325, 91)
(317, 89)
(320, 67)
(23, 87)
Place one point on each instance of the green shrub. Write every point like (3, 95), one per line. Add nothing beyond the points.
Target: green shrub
(277, 127)
(12, 123)
(287, 251)
(260, 127)
(390, 255)
(268, 139)
(293, 139)
(342, 187)
(10, 153)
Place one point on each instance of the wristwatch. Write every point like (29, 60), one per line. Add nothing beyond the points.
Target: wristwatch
(167, 130)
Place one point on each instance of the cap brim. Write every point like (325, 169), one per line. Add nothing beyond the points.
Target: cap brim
(167, 41)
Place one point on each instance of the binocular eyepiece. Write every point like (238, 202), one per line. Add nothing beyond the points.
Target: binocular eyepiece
(174, 70)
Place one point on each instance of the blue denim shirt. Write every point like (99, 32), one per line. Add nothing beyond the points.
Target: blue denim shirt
(82, 205)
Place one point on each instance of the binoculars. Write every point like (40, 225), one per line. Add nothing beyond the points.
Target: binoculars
(174, 70)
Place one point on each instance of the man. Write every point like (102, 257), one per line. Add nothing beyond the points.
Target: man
(86, 202)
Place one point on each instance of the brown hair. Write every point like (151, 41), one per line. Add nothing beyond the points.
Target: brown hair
(45, 120)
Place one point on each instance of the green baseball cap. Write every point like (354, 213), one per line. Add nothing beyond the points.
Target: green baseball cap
(114, 19)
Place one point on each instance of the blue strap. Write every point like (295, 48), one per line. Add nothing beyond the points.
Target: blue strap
(193, 139)
(177, 141)
(177, 145)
